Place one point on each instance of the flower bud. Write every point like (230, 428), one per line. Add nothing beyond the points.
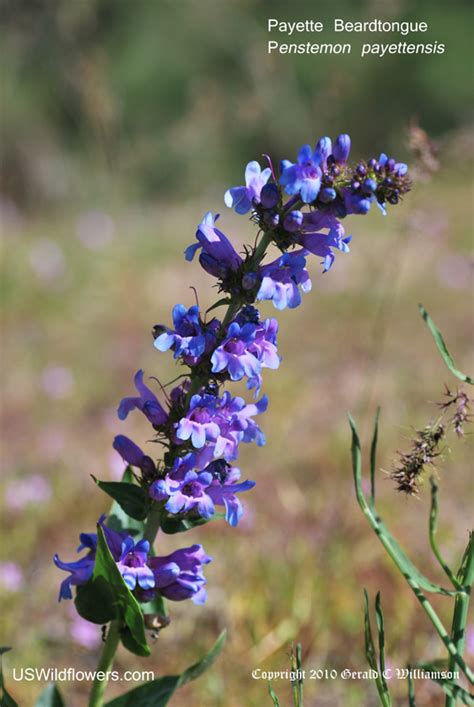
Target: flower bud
(249, 280)
(293, 221)
(342, 147)
(369, 186)
(327, 194)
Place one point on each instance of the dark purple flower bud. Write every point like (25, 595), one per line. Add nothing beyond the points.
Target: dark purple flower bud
(293, 221)
(269, 196)
(249, 280)
(390, 166)
(271, 219)
(371, 163)
(342, 147)
(361, 170)
(355, 185)
(327, 194)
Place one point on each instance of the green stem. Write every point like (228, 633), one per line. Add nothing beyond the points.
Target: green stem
(105, 664)
(433, 531)
(461, 607)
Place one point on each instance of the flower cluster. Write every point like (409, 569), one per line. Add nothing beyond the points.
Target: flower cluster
(200, 423)
(177, 576)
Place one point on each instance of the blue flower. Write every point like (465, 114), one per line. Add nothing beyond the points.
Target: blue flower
(216, 425)
(130, 557)
(218, 255)
(180, 576)
(242, 199)
(189, 490)
(132, 564)
(234, 353)
(303, 177)
(313, 240)
(282, 278)
(190, 339)
(147, 403)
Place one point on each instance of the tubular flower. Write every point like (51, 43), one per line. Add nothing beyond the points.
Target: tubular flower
(146, 402)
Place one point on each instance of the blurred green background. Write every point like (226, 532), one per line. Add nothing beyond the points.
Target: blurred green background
(122, 123)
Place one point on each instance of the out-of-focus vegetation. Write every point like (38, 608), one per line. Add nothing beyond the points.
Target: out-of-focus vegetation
(122, 123)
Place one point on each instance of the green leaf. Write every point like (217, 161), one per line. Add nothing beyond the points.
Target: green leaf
(157, 693)
(449, 688)
(6, 699)
(171, 525)
(373, 456)
(442, 348)
(126, 606)
(381, 631)
(411, 691)
(370, 653)
(118, 520)
(50, 697)
(273, 695)
(408, 569)
(219, 303)
(95, 601)
(132, 499)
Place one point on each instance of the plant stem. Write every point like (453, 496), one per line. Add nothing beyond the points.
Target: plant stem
(461, 606)
(104, 665)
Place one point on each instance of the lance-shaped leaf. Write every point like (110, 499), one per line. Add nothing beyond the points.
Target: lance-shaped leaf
(170, 524)
(443, 349)
(157, 693)
(449, 688)
(371, 654)
(132, 499)
(50, 697)
(118, 519)
(273, 695)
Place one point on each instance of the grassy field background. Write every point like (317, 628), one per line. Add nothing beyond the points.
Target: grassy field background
(99, 199)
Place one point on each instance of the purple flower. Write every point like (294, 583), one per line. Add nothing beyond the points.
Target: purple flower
(185, 491)
(147, 403)
(81, 570)
(280, 280)
(218, 255)
(180, 576)
(235, 353)
(215, 426)
(314, 241)
(190, 338)
(303, 177)
(130, 558)
(133, 455)
(242, 199)
(132, 564)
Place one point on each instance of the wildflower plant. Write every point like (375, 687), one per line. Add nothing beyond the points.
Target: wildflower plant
(121, 580)
(408, 474)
